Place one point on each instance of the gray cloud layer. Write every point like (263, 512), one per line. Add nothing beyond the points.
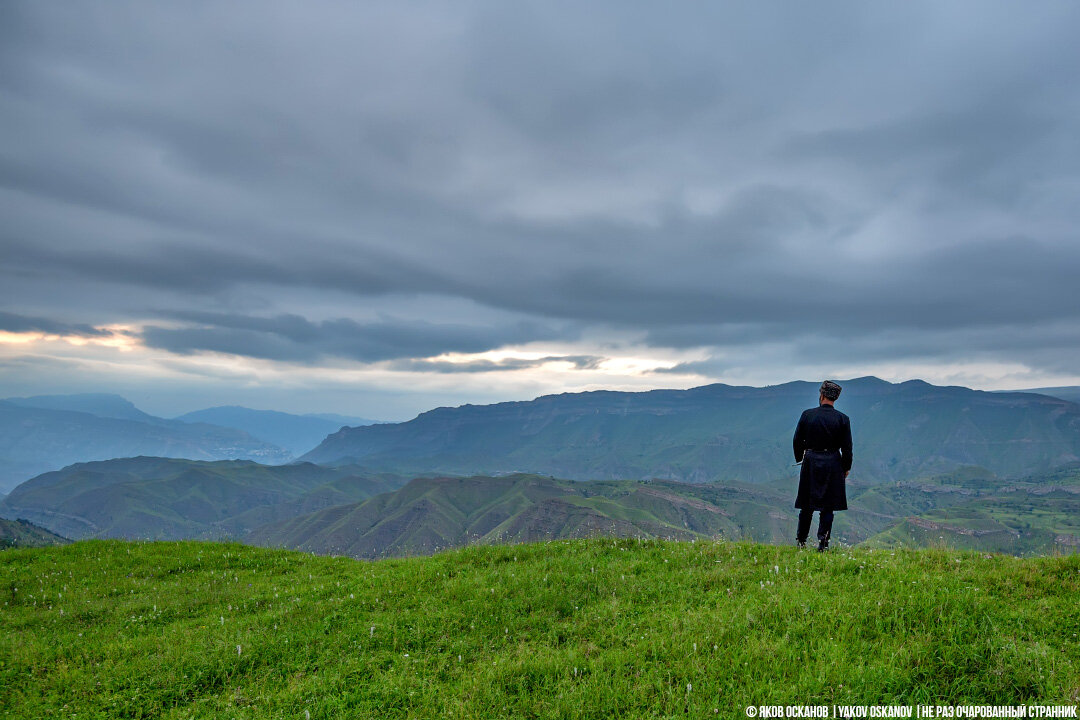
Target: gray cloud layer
(10, 322)
(291, 337)
(700, 176)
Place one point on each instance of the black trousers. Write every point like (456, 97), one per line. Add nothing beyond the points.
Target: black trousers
(824, 528)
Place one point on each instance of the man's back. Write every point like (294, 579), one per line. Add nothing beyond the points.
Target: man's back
(823, 428)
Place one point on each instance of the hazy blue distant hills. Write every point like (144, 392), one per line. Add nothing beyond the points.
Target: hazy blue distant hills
(296, 433)
(35, 439)
(1072, 394)
(100, 404)
(168, 498)
(343, 420)
(720, 432)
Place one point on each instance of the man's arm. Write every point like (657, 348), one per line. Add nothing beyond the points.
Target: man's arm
(798, 443)
(845, 445)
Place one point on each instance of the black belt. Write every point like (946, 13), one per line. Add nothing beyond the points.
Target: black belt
(823, 451)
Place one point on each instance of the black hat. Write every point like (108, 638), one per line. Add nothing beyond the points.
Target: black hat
(830, 390)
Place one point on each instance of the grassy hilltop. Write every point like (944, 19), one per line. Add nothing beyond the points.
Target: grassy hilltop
(583, 628)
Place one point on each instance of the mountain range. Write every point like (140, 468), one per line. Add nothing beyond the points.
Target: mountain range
(432, 514)
(295, 433)
(948, 465)
(34, 440)
(968, 509)
(100, 404)
(1071, 393)
(340, 511)
(48, 432)
(721, 433)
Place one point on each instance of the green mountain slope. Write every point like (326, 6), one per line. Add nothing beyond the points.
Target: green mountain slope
(1035, 516)
(569, 629)
(34, 440)
(23, 533)
(167, 498)
(344, 510)
(718, 432)
(432, 514)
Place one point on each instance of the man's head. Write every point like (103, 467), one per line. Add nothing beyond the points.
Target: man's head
(829, 392)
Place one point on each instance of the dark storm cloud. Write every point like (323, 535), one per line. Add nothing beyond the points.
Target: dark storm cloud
(699, 176)
(294, 338)
(995, 152)
(1051, 348)
(13, 323)
(187, 267)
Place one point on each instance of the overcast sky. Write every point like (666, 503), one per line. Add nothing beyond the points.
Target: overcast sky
(379, 208)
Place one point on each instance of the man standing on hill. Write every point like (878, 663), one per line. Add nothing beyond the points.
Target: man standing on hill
(822, 444)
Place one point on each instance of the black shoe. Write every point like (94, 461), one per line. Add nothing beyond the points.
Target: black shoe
(823, 545)
(800, 543)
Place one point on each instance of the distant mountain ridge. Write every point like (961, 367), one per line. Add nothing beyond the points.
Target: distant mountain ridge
(296, 433)
(720, 432)
(100, 404)
(344, 420)
(34, 440)
(1070, 393)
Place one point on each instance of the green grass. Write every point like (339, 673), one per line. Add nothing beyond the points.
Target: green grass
(585, 629)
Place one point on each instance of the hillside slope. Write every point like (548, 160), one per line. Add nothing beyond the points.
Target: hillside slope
(168, 498)
(570, 629)
(719, 432)
(22, 533)
(432, 514)
(965, 509)
(1070, 393)
(1029, 516)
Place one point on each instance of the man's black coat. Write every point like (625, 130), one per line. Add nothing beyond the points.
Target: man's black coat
(823, 443)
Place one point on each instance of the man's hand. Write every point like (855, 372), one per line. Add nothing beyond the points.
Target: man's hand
(846, 474)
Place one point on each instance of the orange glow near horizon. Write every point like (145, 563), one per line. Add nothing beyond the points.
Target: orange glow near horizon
(10, 338)
(120, 337)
